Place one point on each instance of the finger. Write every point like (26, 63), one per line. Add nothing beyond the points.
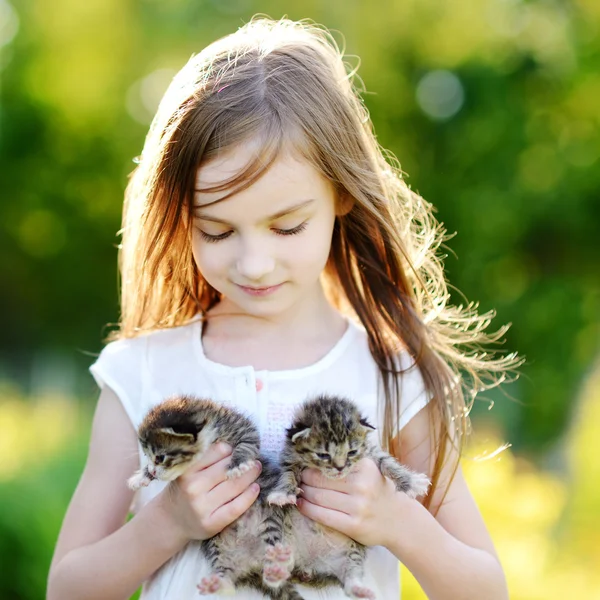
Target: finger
(227, 489)
(205, 479)
(326, 516)
(235, 508)
(314, 478)
(214, 454)
(329, 499)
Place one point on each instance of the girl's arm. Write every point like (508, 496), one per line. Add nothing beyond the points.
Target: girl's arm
(98, 556)
(451, 555)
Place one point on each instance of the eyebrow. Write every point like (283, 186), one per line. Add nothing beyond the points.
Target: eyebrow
(273, 217)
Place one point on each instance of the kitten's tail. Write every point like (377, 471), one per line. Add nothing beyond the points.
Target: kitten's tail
(285, 592)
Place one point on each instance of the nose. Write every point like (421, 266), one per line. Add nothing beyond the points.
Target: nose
(339, 467)
(254, 265)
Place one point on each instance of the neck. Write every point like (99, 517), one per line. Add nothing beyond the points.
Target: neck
(309, 318)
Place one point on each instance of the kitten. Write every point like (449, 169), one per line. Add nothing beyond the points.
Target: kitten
(249, 552)
(329, 433)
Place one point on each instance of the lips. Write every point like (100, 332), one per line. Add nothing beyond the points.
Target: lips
(260, 290)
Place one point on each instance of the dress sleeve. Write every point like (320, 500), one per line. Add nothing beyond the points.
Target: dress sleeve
(120, 366)
(413, 393)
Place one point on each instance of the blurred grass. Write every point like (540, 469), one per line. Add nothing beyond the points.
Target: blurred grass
(43, 442)
(545, 525)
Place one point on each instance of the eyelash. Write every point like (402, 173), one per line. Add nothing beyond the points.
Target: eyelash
(222, 236)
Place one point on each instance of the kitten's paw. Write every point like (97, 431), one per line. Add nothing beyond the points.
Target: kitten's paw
(215, 584)
(281, 498)
(275, 574)
(240, 469)
(355, 589)
(418, 485)
(279, 553)
(138, 480)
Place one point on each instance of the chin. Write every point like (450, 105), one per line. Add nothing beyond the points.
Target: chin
(171, 474)
(264, 308)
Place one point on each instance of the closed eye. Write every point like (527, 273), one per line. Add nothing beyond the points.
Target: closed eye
(214, 238)
(207, 237)
(323, 455)
(292, 231)
(352, 452)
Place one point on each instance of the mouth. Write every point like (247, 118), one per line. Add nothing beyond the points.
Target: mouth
(260, 290)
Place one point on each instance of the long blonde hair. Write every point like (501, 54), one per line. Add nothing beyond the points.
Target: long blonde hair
(285, 83)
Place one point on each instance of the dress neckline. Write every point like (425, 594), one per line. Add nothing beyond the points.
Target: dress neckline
(322, 363)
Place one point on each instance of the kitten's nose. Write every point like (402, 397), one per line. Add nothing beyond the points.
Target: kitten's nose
(339, 468)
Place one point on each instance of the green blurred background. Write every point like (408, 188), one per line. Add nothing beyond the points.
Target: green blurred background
(492, 107)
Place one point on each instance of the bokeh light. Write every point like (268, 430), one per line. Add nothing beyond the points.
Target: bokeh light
(440, 95)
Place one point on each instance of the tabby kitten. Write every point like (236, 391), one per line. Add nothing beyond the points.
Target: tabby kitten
(329, 434)
(249, 552)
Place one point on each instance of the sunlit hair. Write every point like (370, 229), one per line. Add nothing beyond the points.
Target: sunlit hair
(284, 84)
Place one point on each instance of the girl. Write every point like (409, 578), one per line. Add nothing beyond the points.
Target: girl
(270, 253)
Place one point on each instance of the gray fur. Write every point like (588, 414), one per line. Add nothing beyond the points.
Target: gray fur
(249, 552)
(329, 434)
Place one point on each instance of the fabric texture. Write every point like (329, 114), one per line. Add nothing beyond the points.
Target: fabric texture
(145, 370)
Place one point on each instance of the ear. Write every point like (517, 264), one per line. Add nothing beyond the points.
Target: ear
(298, 433)
(344, 204)
(367, 425)
(189, 437)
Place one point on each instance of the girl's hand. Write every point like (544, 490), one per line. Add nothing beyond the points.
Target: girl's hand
(202, 502)
(364, 506)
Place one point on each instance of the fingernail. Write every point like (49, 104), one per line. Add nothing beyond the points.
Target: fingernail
(225, 448)
(255, 487)
(258, 465)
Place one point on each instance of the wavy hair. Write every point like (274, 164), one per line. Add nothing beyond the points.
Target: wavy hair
(285, 84)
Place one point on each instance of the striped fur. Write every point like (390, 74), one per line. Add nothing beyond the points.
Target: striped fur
(329, 434)
(249, 552)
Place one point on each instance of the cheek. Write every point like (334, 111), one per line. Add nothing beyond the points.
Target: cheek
(210, 259)
(310, 252)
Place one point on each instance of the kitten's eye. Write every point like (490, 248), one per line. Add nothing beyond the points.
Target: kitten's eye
(352, 452)
(323, 455)
(159, 459)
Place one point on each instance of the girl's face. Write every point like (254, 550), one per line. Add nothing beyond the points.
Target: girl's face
(264, 248)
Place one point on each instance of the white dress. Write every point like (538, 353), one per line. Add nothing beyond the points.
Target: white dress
(145, 370)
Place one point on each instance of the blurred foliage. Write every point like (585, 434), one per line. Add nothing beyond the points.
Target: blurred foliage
(491, 106)
(545, 525)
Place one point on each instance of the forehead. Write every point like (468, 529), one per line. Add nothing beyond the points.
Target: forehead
(290, 177)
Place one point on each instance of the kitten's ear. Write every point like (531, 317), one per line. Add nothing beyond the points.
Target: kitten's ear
(367, 425)
(190, 437)
(300, 431)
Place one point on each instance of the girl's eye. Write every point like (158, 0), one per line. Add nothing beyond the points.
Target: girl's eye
(292, 231)
(322, 456)
(159, 459)
(214, 238)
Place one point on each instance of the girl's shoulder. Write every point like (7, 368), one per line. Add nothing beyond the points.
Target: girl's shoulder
(127, 365)
(414, 395)
(158, 341)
